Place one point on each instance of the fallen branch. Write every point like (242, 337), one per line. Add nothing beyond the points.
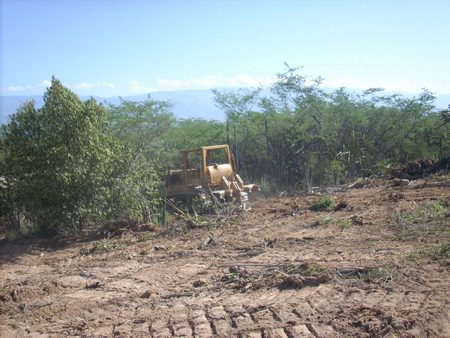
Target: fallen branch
(177, 295)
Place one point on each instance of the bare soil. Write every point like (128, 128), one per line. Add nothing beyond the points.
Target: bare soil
(378, 265)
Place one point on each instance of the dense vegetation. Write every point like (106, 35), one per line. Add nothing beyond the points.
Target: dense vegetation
(72, 164)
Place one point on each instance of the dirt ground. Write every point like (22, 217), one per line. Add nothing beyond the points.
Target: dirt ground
(377, 265)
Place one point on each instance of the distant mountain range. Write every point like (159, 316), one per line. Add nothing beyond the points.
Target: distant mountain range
(186, 103)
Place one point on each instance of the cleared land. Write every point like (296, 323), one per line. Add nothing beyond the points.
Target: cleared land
(378, 264)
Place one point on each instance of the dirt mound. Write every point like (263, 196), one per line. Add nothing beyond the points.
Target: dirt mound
(420, 168)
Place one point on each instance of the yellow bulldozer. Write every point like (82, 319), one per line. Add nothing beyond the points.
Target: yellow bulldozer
(209, 170)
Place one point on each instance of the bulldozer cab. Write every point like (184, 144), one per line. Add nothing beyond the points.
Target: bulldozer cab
(216, 157)
(200, 167)
(199, 163)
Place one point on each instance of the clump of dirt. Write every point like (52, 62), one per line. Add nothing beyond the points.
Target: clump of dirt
(420, 168)
(376, 322)
(396, 196)
(298, 281)
(284, 276)
(341, 206)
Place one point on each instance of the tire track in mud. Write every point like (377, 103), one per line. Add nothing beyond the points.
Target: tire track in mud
(238, 320)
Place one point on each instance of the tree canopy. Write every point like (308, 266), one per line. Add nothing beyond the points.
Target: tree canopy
(74, 164)
(57, 158)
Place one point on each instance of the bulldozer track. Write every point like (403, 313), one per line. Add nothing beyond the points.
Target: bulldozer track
(236, 320)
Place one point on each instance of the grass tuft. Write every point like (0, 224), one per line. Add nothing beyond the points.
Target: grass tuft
(326, 203)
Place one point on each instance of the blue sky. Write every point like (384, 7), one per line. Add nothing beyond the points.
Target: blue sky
(120, 47)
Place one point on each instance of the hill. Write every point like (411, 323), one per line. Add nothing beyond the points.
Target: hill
(186, 103)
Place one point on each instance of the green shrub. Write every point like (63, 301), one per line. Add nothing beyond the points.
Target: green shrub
(58, 158)
(442, 251)
(326, 203)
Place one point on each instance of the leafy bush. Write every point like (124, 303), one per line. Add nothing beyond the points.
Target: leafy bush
(73, 164)
(442, 251)
(326, 203)
(57, 159)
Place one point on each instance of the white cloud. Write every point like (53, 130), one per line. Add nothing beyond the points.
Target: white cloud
(442, 90)
(203, 83)
(47, 83)
(15, 89)
(136, 87)
(403, 86)
(90, 85)
(106, 84)
(27, 87)
(83, 85)
(248, 81)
